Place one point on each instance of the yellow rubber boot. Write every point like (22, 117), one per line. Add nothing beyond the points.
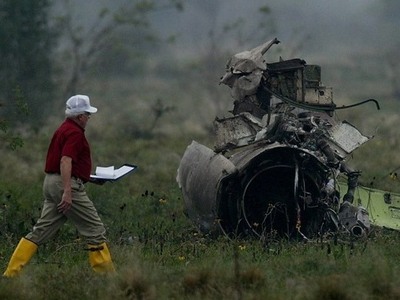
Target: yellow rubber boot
(100, 259)
(21, 256)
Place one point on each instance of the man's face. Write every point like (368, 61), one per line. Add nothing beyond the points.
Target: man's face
(83, 119)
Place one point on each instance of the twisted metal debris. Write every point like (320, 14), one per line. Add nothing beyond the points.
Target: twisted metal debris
(276, 164)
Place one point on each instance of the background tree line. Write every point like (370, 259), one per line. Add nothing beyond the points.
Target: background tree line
(47, 54)
(49, 50)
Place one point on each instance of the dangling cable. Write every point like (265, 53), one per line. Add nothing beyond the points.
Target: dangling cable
(298, 210)
(359, 103)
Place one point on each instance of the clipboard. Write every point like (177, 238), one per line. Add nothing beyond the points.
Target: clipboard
(112, 174)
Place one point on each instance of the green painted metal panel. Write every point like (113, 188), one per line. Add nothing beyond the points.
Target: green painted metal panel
(383, 207)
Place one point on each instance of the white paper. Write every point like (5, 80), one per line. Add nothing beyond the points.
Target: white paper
(110, 173)
(122, 171)
(105, 172)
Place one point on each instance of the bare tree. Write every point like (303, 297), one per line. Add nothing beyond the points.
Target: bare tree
(85, 44)
(246, 33)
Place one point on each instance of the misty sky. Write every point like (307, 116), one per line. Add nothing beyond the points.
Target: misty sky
(334, 28)
(354, 34)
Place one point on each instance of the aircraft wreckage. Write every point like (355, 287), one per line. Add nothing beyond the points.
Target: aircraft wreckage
(276, 166)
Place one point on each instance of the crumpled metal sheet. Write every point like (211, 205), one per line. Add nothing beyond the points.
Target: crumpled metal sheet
(199, 175)
(345, 138)
(236, 131)
(245, 70)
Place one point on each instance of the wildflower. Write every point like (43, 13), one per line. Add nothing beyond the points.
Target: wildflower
(181, 258)
(242, 247)
(162, 201)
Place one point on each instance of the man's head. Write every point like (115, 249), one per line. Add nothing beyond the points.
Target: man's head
(78, 105)
(79, 109)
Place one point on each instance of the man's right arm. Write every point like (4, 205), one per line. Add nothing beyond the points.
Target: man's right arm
(65, 170)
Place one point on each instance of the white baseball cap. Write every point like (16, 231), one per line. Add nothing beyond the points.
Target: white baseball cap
(79, 104)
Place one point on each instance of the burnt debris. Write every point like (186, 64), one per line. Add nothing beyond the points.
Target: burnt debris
(276, 162)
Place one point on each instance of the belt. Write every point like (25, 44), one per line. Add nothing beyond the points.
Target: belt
(79, 180)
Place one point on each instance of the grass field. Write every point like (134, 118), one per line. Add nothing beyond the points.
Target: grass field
(160, 255)
(157, 252)
(169, 260)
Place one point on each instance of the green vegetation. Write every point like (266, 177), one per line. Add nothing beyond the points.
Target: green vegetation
(156, 249)
(164, 258)
(147, 116)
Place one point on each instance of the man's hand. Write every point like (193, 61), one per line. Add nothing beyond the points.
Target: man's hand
(98, 181)
(66, 202)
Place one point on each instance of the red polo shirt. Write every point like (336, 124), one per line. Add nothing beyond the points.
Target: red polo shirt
(69, 140)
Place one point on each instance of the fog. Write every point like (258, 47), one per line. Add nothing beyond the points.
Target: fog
(323, 30)
(343, 36)
(334, 28)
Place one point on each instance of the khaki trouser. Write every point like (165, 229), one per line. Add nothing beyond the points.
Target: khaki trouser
(82, 213)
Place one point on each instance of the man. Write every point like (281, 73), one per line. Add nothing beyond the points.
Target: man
(68, 167)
